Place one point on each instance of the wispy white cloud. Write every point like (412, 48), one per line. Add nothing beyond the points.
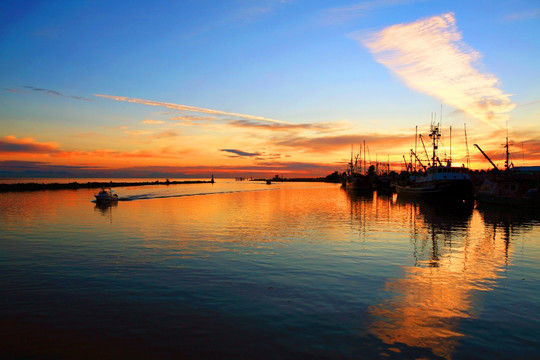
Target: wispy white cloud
(525, 15)
(430, 57)
(343, 14)
(190, 108)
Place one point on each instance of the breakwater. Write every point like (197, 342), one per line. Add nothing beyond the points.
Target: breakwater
(89, 185)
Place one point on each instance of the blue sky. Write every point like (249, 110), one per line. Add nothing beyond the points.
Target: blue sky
(280, 63)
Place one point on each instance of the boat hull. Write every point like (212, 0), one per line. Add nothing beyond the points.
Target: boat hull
(520, 201)
(104, 199)
(359, 184)
(462, 189)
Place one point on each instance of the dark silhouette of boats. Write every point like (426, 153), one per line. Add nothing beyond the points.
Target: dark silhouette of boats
(356, 178)
(436, 180)
(511, 186)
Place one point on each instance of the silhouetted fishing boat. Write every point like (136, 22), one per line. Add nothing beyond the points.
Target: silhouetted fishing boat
(437, 180)
(106, 195)
(511, 186)
(356, 179)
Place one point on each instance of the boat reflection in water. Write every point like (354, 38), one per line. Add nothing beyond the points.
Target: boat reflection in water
(106, 208)
(454, 263)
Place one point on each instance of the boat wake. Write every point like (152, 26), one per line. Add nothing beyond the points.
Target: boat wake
(151, 196)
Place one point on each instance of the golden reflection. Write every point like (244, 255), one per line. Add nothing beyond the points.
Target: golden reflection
(241, 221)
(106, 209)
(454, 259)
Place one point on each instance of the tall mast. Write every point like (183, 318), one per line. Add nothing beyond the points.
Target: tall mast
(450, 145)
(351, 163)
(435, 135)
(506, 163)
(467, 145)
(415, 146)
(364, 156)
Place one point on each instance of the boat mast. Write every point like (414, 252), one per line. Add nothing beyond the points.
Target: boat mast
(450, 162)
(435, 136)
(415, 146)
(351, 163)
(466, 145)
(507, 163)
(425, 150)
(364, 169)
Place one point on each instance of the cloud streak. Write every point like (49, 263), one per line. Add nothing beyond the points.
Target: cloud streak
(335, 143)
(278, 127)
(344, 14)
(526, 15)
(240, 153)
(431, 58)
(52, 93)
(190, 108)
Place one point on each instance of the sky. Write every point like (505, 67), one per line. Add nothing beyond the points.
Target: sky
(246, 88)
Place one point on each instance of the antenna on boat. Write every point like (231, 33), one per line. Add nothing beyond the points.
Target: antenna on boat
(507, 162)
(364, 169)
(466, 145)
(415, 146)
(450, 145)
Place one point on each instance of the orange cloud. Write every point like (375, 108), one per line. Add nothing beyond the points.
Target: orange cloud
(138, 132)
(278, 127)
(11, 145)
(329, 143)
(165, 134)
(150, 121)
(430, 57)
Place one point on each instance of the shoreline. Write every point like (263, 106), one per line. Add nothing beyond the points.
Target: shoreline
(89, 185)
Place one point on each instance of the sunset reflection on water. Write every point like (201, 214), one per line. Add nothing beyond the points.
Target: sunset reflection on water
(458, 257)
(311, 268)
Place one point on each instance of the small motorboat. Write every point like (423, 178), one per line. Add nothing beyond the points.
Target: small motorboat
(106, 195)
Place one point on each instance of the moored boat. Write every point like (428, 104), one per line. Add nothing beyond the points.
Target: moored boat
(355, 179)
(510, 189)
(511, 186)
(437, 180)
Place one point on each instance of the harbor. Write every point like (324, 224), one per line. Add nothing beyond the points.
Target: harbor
(281, 180)
(299, 269)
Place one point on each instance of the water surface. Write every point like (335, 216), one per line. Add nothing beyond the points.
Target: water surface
(250, 270)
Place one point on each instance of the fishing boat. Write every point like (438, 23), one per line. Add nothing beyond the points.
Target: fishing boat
(356, 179)
(106, 195)
(437, 180)
(511, 186)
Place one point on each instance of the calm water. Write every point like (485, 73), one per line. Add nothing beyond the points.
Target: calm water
(249, 270)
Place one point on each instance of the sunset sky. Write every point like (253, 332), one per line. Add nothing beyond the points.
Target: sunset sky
(257, 88)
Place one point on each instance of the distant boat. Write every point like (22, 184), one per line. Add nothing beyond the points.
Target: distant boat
(355, 180)
(106, 195)
(437, 180)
